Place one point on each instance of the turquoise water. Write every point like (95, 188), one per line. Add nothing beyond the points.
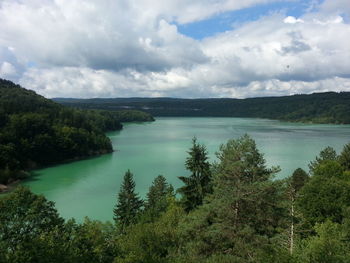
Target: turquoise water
(89, 187)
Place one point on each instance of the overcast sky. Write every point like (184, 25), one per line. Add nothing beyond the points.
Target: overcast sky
(175, 48)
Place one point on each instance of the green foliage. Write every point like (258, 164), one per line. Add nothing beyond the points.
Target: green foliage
(158, 198)
(151, 242)
(293, 186)
(132, 116)
(35, 131)
(198, 184)
(94, 241)
(247, 218)
(344, 157)
(328, 107)
(32, 232)
(327, 154)
(329, 245)
(24, 219)
(325, 195)
(243, 211)
(298, 180)
(129, 204)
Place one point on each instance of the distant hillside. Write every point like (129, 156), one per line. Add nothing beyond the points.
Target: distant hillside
(35, 131)
(329, 107)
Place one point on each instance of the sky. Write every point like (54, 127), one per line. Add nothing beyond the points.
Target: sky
(175, 48)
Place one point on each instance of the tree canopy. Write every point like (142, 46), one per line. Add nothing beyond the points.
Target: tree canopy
(249, 216)
(35, 131)
(327, 107)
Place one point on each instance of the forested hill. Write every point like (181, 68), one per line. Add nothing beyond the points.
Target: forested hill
(329, 107)
(35, 131)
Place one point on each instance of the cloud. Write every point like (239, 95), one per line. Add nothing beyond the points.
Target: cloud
(70, 48)
(270, 49)
(57, 34)
(7, 70)
(297, 44)
(335, 7)
(107, 34)
(292, 20)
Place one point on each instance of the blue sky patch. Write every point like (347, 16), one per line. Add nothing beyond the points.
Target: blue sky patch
(227, 21)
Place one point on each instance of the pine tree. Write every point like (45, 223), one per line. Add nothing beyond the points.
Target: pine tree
(157, 192)
(157, 198)
(129, 204)
(244, 211)
(197, 185)
(344, 157)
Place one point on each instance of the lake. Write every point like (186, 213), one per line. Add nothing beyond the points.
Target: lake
(89, 187)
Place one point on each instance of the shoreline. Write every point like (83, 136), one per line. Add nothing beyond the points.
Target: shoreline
(6, 188)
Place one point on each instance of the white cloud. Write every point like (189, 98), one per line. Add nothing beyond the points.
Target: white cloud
(74, 33)
(7, 70)
(336, 7)
(292, 20)
(70, 48)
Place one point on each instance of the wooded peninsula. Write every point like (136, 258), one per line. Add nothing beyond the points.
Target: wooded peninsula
(36, 132)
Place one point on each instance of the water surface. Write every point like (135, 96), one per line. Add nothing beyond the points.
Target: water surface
(89, 187)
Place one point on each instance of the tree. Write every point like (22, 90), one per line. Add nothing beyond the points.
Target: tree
(24, 219)
(152, 241)
(157, 192)
(129, 204)
(330, 244)
(157, 198)
(92, 241)
(325, 195)
(295, 183)
(327, 154)
(298, 180)
(243, 212)
(197, 185)
(344, 157)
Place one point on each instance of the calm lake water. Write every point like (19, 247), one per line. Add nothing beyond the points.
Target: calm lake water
(89, 187)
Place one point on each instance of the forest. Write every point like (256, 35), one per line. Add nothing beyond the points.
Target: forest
(328, 107)
(229, 211)
(35, 131)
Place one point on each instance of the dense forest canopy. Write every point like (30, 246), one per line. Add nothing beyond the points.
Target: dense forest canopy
(35, 131)
(244, 216)
(329, 107)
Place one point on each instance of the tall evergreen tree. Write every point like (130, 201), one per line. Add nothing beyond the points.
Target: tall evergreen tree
(157, 198)
(129, 204)
(197, 185)
(243, 212)
(157, 191)
(344, 157)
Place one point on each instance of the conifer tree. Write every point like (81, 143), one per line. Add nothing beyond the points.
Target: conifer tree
(129, 204)
(344, 157)
(157, 198)
(197, 185)
(243, 212)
